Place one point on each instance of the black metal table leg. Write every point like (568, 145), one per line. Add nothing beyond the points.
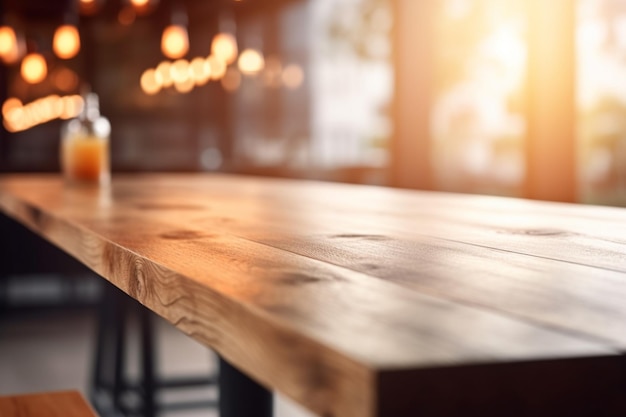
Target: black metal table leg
(147, 345)
(120, 348)
(240, 396)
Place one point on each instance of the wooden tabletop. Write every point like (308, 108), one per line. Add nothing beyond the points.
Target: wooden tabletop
(360, 301)
(47, 404)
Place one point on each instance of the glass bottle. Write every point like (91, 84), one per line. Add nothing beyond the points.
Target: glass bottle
(85, 145)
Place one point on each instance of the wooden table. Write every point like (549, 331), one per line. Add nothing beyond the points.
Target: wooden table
(360, 301)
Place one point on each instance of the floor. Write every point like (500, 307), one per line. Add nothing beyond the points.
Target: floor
(52, 351)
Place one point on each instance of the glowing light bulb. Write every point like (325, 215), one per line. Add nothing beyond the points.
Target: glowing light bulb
(179, 71)
(251, 62)
(151, 82)
(175, 41)
(66, 41)
(200, 70)
(218, 67)
(89, 7)
(8, 40)
(34, 68)
(9, 105)
(164, 71)
(224, 46)
(143, 7)
(184, 86)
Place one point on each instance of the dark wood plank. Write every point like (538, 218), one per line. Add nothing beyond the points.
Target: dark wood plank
(212, 255)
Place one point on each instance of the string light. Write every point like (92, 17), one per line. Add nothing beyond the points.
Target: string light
(165, 73)
(251, 62)
(224, 47)
(151, 82)
(66, 42)
(179, 71)
(200, 70)
(218, 67)
(18, 117)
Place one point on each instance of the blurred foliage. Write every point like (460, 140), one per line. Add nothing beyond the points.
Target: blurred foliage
(360, 26)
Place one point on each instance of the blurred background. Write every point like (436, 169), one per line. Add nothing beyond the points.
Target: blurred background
(522, 98)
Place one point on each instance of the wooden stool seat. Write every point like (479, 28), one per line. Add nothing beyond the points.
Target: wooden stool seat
(50, 404)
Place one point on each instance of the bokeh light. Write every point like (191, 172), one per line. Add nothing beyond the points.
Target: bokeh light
(164, 71)
(150, 82)
(34, 68)
(126, 16)
(179, 71)
(143, 7)
(18, 117)
(89, 7)
(200, 70)
(293, 76)
(66, 42)
(224, 47)
(8, 40)
(184, 86)
(218, 67)
(65, 79)
(175, 41)
(251, 62)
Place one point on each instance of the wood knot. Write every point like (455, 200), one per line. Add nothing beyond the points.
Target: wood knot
(299, 278)
(360, 236)
(537, 232)
(36, 215)
(165, 206)
(183, 235)
(137, 284)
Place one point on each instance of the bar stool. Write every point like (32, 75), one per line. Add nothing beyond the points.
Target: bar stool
(52, 404)
(111, 392)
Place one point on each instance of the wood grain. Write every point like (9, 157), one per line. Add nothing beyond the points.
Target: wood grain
(342, 297)
(53, 404)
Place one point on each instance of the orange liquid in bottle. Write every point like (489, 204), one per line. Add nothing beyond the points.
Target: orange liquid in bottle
(86, 159)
